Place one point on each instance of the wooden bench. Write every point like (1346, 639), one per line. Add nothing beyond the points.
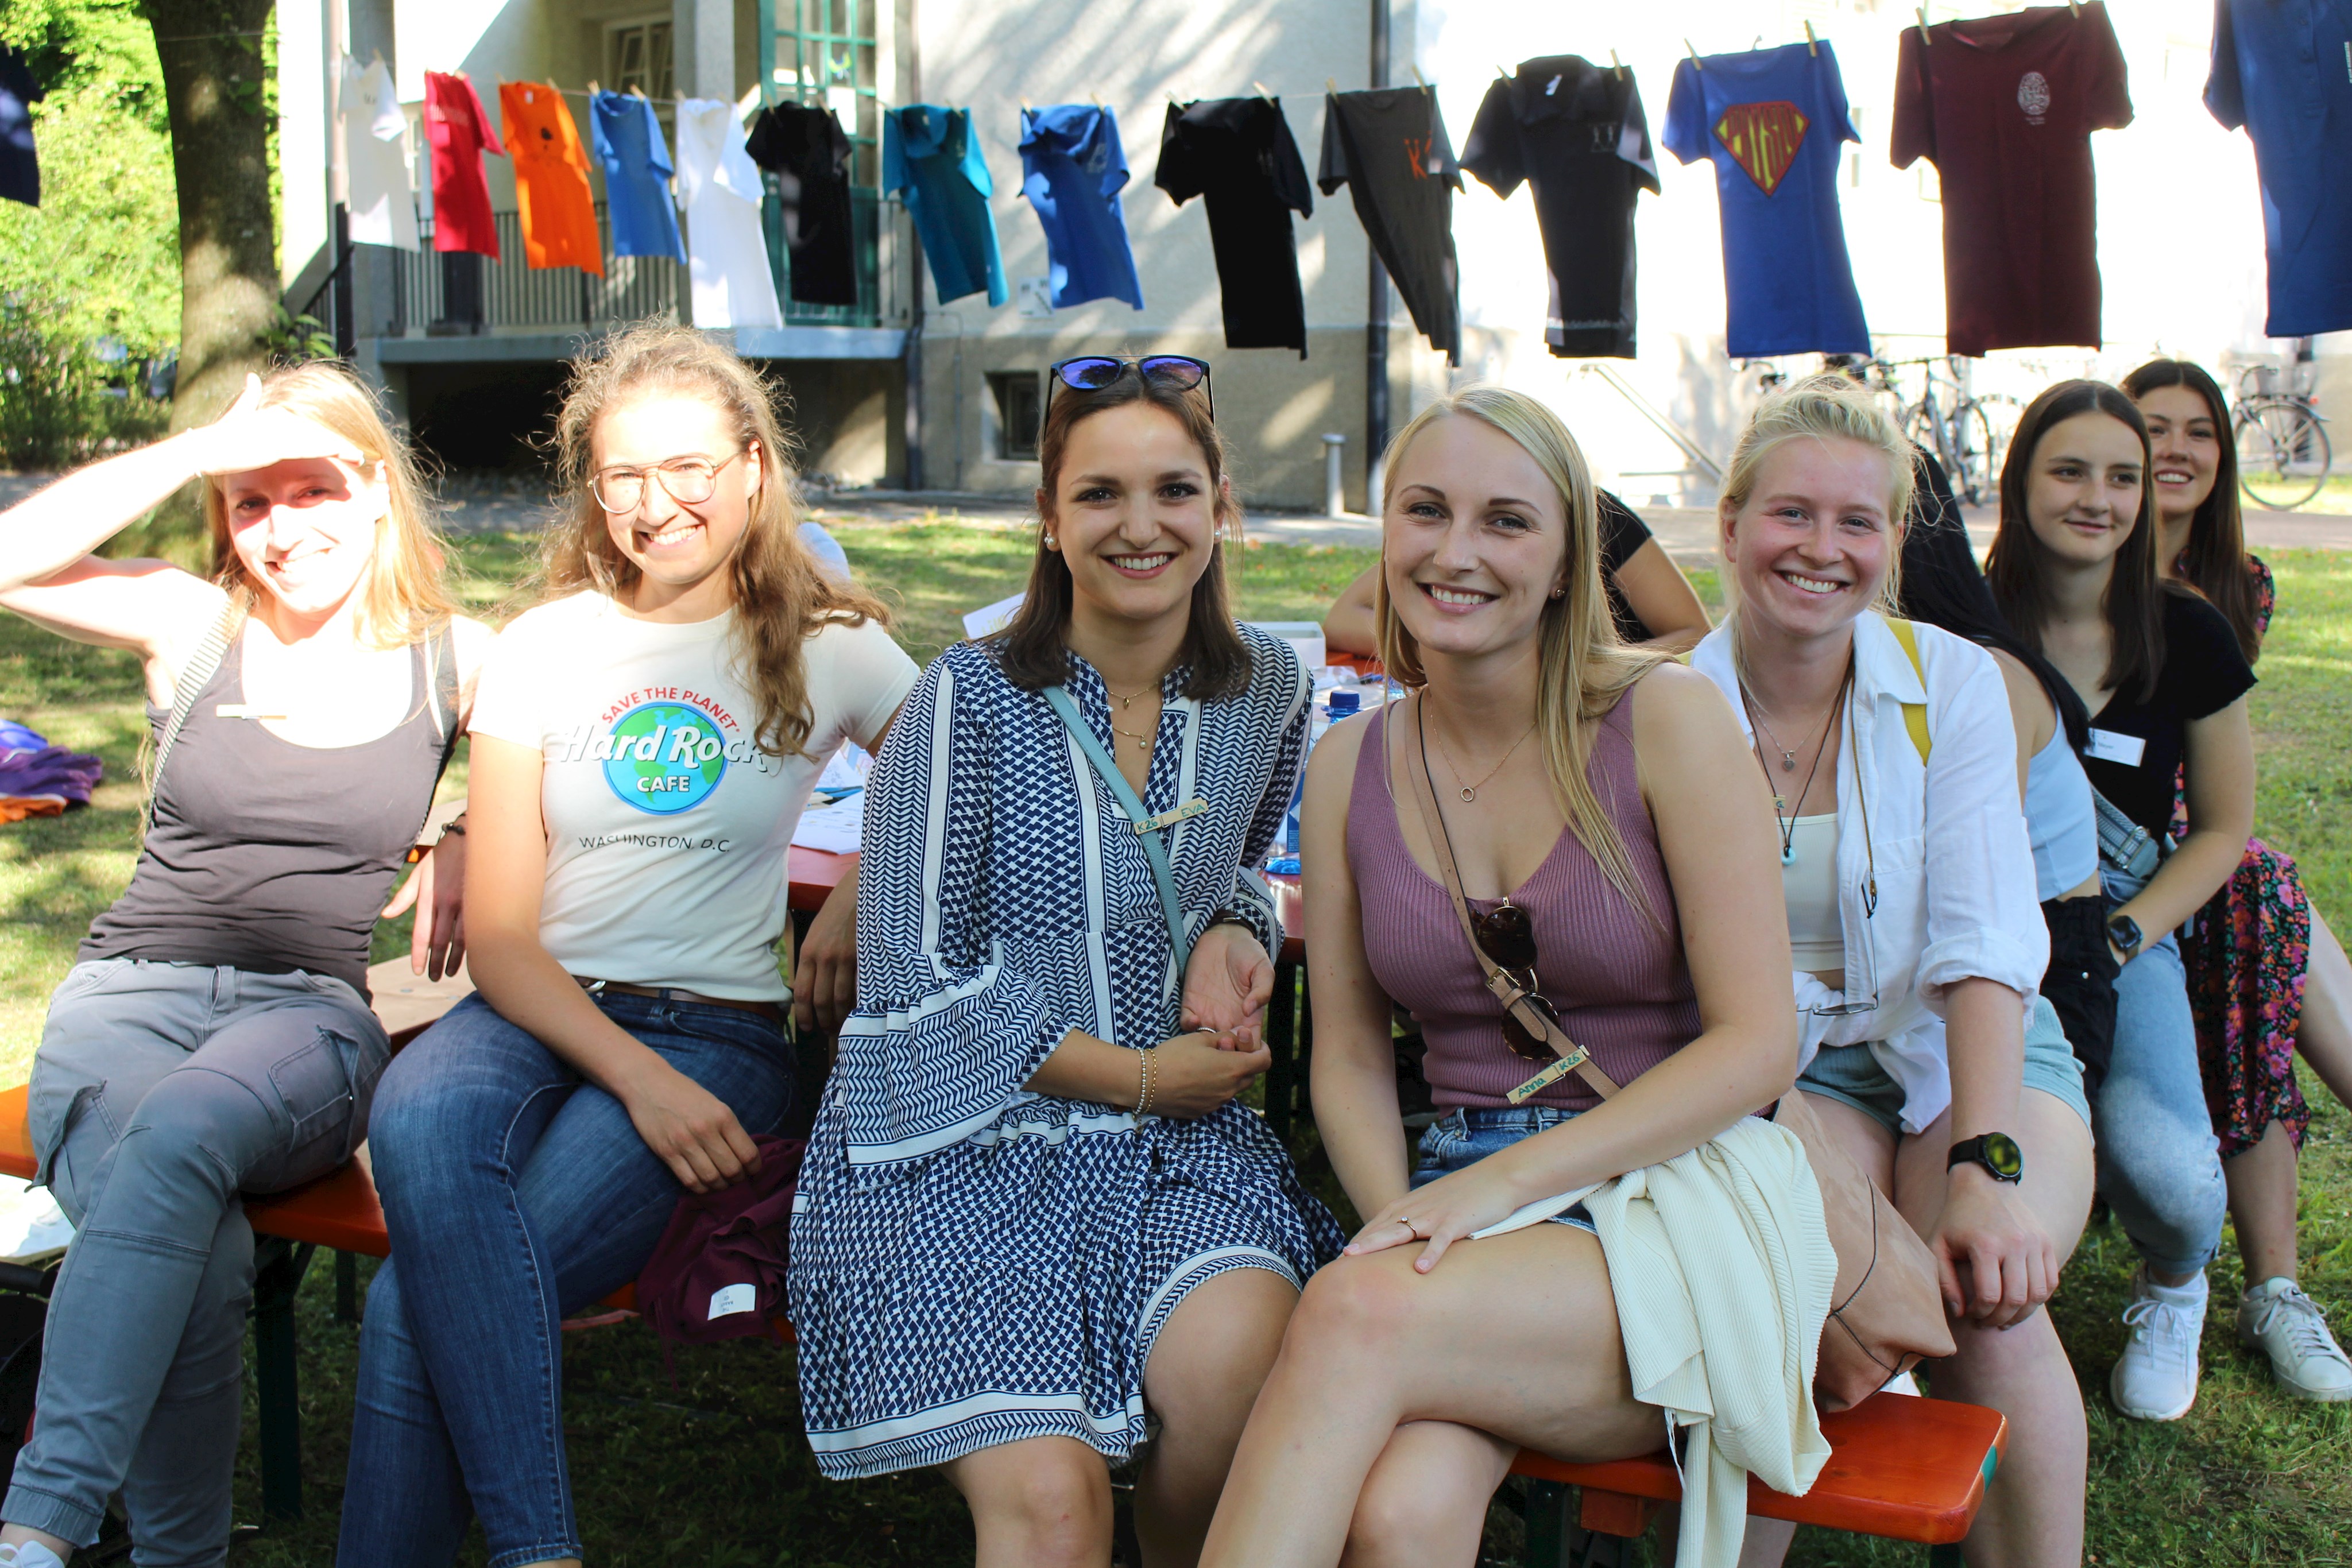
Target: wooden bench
(1900, 1467)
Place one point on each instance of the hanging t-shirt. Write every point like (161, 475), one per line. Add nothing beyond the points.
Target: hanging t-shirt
(1072, 170)
(1389, 146)
(383, 211)
(930, 155)
(1238, 154)
(20, 169)
(669, 830)
(559, 212)
(728, 251)
(804, 146)
(2284, 73)
(1773, 121)
(627, 140)
(459, 129)
(2004, 108)
(2135, 748)
(1577, 133)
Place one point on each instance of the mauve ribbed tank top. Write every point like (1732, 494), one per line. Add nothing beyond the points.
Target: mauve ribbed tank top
(1618, 980)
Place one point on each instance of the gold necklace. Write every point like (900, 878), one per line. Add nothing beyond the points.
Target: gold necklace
(1142, 740)
(1470, 791)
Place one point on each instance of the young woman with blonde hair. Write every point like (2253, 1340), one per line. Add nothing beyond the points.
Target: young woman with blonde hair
(644, 742)
(1616, 854)
(215, 1037)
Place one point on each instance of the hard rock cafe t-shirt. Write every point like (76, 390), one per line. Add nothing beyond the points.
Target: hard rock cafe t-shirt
(2004, 107)
(668, 829)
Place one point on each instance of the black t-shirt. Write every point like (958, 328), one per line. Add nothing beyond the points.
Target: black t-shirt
(1389, 146)
(1575, 132)
(1237, 152)
(804, 146)
(20, 166)
(2204, 674)
(1623, 532)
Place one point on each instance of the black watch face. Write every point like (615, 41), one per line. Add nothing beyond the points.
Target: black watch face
(2002, 1157)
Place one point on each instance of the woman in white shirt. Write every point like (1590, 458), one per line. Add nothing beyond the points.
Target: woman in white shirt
(1913, 922)
(645, 744)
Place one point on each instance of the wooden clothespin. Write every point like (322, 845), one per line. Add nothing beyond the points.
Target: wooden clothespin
(1924, 29)
(1503, 71)
(1024, 105)
(638, 93)
(1262, 92)
(1812, 44)
(2076, 6)
(1331, 86)
(1097, 98)
(1696, 64)
(1418, 77)
(592, 88)
(1618, 64)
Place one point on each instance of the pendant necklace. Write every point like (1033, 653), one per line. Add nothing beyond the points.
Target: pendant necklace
(1142, 741)
(1470, 791)
(1782, 815)
(1788, 758)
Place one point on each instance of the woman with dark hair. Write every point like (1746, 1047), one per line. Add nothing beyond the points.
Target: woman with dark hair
(2266, 977)
(2073, 570)
(1034, 1230)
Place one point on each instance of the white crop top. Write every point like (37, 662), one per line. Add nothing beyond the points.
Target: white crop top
(1809, 885)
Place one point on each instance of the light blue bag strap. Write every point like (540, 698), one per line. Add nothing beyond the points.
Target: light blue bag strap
(1058, 699)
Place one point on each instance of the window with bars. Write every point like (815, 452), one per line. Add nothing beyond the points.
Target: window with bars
(823, 53)
(638, 55)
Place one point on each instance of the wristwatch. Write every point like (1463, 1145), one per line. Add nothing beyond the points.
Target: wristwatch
(1996, 1152)
(1228, 915)
(2125, 932)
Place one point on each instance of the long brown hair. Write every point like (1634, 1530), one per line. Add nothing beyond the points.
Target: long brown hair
(2016, 569)
(1585, 667)
(2214, 563)
(1031, 650)
(404, 598)
(782, 597)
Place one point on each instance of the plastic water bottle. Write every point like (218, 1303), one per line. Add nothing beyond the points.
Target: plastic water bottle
(1333, 708)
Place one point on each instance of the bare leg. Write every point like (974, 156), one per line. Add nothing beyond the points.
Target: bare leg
(1516, 1335)
(1425, 1504)
(1042, 1502)
(1206, 1367)
(17, 1535)
(2262, 1201)
(2032, 1514)
(2324, 1038)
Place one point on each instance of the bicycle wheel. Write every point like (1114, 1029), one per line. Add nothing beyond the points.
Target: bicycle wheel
(1976, 468)
(1922, 424)
(2283, 453)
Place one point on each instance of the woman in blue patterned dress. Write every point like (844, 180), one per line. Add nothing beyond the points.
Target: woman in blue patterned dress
(1036, 1234)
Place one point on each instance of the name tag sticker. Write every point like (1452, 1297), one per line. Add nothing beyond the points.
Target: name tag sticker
(2123, 749)
(734, 1299)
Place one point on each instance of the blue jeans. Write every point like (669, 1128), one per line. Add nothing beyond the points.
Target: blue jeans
(2159, 1165)
(1469, 1133)
(515, 1194)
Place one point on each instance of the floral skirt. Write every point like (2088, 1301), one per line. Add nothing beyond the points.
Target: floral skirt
(2245, 953)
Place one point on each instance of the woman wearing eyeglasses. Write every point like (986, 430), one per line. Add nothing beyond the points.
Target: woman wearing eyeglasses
(1036, 1234)
(1615, 855)
(1910, 896)
(643, 743)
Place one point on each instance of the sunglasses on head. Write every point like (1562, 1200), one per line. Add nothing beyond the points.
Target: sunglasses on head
(1508, 935)
(1093, 373)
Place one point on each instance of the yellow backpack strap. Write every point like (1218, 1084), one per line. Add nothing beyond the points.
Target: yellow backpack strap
(1915, 714)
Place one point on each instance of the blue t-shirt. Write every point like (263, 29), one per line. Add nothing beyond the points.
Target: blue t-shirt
(1772, 120)
(930, 155)
(628, 142)
(2284, 72)
(1073, 169)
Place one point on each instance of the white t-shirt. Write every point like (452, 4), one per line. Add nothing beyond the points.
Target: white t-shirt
(669, 830)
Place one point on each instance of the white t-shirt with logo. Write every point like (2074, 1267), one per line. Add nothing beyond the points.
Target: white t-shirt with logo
(669, 831)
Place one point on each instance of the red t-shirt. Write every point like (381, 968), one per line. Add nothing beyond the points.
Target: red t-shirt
(460, 130)
(2004, 107)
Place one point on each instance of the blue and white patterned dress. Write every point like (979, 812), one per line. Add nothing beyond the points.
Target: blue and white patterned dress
(973, 1264)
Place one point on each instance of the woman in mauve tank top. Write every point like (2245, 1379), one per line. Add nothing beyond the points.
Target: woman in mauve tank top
(1599, 792)
(215, 1037)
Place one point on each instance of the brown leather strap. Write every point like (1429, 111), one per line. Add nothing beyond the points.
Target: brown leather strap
(1505, 990)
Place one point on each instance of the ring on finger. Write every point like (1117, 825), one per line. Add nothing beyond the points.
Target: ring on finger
(1410, 1229)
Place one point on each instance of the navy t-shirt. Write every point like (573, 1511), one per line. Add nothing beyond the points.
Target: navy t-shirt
(1073, 169)
(1773, 119)
(2284, 72)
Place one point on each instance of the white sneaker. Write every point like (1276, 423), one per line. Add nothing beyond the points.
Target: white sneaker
(2278, 1319)
(2156, 1377)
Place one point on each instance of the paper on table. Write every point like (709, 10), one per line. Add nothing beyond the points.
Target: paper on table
(837, 829)
(988, 618)
(1543, 1208)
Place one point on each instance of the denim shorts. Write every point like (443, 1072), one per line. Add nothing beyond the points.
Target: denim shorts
(1850, 1075)
(1469, 1133)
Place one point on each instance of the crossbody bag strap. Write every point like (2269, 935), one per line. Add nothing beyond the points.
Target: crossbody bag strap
(1572, 1057)
(193, 677)
(1145, 826)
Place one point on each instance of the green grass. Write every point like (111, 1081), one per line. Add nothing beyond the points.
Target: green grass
(706, 1464)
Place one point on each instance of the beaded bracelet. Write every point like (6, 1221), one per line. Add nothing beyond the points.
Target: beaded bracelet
(1143, 1096)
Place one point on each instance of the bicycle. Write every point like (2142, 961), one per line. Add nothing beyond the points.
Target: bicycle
(2283, 457)
(1968, 438)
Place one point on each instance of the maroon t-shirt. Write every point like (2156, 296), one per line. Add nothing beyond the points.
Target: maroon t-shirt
(2004, 107)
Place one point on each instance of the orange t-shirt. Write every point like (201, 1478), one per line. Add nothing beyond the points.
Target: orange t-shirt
(559, 214)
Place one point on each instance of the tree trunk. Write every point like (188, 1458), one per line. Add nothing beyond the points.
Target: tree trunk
(213, 86)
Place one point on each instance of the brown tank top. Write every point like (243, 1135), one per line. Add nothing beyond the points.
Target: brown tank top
(1617, 977)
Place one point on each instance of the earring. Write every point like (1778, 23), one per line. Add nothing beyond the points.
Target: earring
(1559, 593)
(1049, 541)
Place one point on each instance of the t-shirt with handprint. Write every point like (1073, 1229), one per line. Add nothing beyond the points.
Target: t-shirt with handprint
(670, 830)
